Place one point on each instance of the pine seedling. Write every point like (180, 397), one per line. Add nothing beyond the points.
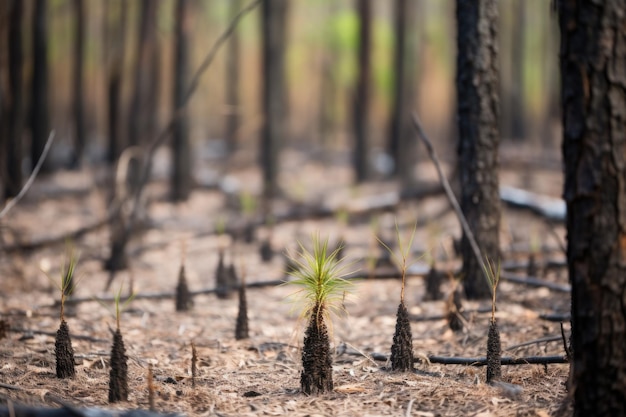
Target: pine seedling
(402, 347)
(320, 276)
(63, 350)
(494, 348)
(118, 375)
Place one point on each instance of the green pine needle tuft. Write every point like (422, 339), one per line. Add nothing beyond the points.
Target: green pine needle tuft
(320, 276)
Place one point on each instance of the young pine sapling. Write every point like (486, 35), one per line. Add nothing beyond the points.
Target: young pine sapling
(63, 350)
(320, 275)
(494, 348)
(402, 347)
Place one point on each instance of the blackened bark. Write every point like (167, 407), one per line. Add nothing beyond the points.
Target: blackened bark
(39, 113)
(116, 36)
(181, 148)
(184, 301)
(15, 112)
(317, 373)
(494, 353)
(478, 108)
(400, 140)
(402, 347)
(232, 82)
(593, 74)
(118, 375)
(63, 352)
(79, 101)
(362, 94)
(241, 327)
(273, 26)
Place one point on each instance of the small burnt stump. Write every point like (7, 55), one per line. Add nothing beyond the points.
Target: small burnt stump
(63, 352)
(494, 351)
(184, 301)
(433, 284)
(317, 373)
(241, 327)
(118, 376)
(402, 347)
(455, 307)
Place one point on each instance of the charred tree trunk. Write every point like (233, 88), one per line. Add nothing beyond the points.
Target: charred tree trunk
(478, 111)
(361, 98)
(141, 115)
(181, 148)
(274, 25)
(39, 116)
(515, 114)
(79, 102)
(593, 50)
(401, 143)
(15, 113)
(116, 36)
(232, 83)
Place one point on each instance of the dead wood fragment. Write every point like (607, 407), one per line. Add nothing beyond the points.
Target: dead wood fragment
(535, 282)
(194, 364)
(505, 360)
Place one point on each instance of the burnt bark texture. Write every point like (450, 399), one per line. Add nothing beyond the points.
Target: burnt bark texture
(401, 143)
(232, 83)
(494, 353)
(362, 94)
(39, 111)
(118, 376)
(117, 18)
(274, 91)
(241, 327)
(80, 134)
(593, 97)
(455, 308)
(184, 300)
(181, 148)
(402, 347)
(63, 352)
(478, 111)
(317, 373)
(14, 103)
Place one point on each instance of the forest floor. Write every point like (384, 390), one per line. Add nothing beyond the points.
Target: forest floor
(260, 375)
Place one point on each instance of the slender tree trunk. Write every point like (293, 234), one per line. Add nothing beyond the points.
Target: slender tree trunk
(361, 98)
(232, 83)
(116, 37)
(401, 143)
(142, 108)
(79, 102)
(15, 113)
(593, 52)
(478, 112)
(39, 116)
(516, 128)
(274, 25)
(181, 172)
(328, 82)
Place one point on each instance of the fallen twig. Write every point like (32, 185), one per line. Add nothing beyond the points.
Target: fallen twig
(546, 339)
(556, 317)
(482, 361)
(53, 334)
(31, 178)
(535, 282)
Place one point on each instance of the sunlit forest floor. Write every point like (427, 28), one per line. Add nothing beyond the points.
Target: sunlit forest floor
(260, 375)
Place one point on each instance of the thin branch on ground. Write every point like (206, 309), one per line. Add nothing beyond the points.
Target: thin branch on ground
(53, 334)
(556, 317)
(506, 360)
(31, 178)
(450, 194)
(546, 339)
(535, 282)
